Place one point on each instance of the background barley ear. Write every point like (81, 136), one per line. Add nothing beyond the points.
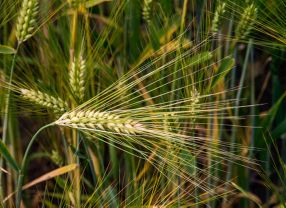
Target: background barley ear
(217, 19)
(77, 77)
(147, 10)
(246, 22)
(195, 103)
(45, 100)
(27, 20)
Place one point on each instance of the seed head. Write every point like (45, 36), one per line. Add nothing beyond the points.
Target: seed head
(95, 120)
(27, 20)
(217, 19)
(246, 22)
(146, 10)
(45, 100)
(77, 77)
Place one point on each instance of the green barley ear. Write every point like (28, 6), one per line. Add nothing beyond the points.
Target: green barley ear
(56, 158)
(246, 21)
(195, 103)
(147, 10)
(217, 19)
(27, 20)
(77, 77)
(45, 100)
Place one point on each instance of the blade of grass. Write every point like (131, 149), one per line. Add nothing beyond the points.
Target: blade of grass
(8, 157)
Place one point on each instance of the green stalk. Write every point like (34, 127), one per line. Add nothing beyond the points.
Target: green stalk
(6, 116)
(236, 110)
(24, 163)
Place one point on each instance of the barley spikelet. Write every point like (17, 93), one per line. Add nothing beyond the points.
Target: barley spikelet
(146, 10)
(217, 19)
(45, 100)
(77, 77)
(103, 121)
(27, 20)
(246, 22)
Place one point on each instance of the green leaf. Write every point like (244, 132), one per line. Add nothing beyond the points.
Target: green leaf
(279, 130)
(92, 3)
(189, 162)
(200, 58)
(7, 50)
(225, 66)
(8, 157)
(272, 113)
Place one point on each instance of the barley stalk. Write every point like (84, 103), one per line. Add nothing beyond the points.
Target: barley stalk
(103, 121)
(77, 77)
(45, 100)
(246, 22)
(27, 20)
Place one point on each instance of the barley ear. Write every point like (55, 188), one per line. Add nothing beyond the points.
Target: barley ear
(77, 77)
(26, 20)
(45, 100)
(99, 121)
(217, 19)
(246, 21)
(147, 10)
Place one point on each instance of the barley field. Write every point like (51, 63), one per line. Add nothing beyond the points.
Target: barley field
(143, 103)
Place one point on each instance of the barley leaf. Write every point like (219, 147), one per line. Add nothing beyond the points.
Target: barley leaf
(225, 66)
(92, 3)
(279, 130)
(7, 50)
(8, 157)
(52, 174)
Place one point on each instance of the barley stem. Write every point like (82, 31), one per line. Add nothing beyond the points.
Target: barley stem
(236, 110)
(6, 115)
(23, 165)
(74, 139)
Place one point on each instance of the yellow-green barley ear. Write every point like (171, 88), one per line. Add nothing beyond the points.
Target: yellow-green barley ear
(217, 19)
(27, 19)
(77, 77)
(45, 100)
(246, 21)
(102, 121)
(147, 10)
